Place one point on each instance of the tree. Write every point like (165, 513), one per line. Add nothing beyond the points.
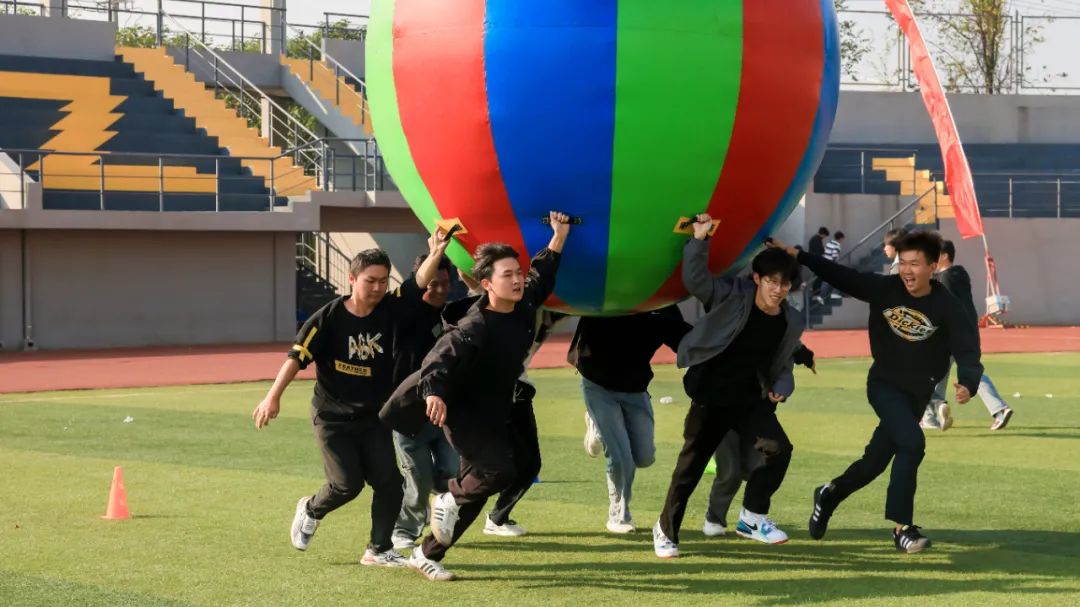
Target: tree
(855, 44)
(298, 47)
(978, 44)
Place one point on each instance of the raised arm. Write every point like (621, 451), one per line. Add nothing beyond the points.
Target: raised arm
(429, 269)
(697, 279)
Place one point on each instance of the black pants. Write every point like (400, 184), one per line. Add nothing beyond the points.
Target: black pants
(753, 419)
(897, 438)
(357, 451)
(503, 460)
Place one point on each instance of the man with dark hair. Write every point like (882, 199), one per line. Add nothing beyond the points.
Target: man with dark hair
(817, 247)
(937, 416)
(740, 366)
(613, 354)
(889, 248)
(914, 326)
(427, 460)
(468, 383)
(832, 253)
(351, 341)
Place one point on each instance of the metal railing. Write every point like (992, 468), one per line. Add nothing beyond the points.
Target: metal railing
(336, 25)
(897, 219)
(226, 25)
(858, 172)
(318, 254)
(283, 129)
(343, 172)
(1026, 194)
(36, 163)
(15, 7)
(1032, 59)
(341, 73)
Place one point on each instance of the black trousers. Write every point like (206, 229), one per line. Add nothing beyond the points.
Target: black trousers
(897, 438)
(494, 460)
(359, 450)
(754, 419)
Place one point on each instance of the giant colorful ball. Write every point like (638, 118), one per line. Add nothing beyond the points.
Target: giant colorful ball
(625, 113)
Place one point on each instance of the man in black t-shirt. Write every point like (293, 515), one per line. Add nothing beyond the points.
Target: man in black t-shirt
(351, 340)
(740, 366)
(915, 325)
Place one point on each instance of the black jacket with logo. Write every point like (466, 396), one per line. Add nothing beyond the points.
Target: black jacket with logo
(911, 338)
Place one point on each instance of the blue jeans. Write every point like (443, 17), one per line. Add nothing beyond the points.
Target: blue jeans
(427, 462)
(625, 423)
(987, 393)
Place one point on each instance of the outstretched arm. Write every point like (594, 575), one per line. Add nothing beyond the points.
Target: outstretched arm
(861, 285)
(697, 279)
(429, 269)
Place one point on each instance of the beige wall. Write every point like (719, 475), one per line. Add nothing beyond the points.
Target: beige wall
(1036, 265)
(98, 289)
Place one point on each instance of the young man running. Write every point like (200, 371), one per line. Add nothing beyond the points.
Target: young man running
(613, 356)
(350, 340)
(955, 278)
(427, 460)
(914, 326)
(469, 383)
(740, 360)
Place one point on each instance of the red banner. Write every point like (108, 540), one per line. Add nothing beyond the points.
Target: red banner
(957, 171)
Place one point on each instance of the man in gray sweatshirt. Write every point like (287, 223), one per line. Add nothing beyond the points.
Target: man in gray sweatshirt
(739, 357)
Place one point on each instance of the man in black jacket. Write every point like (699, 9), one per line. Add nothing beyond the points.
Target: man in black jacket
(938, 416)
(613, 355)
(468, 382)
(915, 325)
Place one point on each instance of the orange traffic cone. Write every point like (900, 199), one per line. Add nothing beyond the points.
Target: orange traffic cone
(117, 509)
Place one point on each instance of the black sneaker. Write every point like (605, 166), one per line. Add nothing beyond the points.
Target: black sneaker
(909, 540)
(823, 509)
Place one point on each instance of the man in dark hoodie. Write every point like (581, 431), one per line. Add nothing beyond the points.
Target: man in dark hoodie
(468, 382)
(915, 325)
(937, 416)
(740, 366)
(613, 355)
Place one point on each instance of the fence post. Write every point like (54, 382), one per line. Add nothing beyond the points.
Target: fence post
(1010, 198)
(217, 184)
(161, 183)
(1059, 197)
(272, 197)
(101, 171)
(160, 22)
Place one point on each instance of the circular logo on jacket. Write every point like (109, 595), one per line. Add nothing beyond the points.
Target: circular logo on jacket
(909, 324)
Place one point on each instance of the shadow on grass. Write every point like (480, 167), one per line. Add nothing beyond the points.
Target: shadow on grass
(849, 565)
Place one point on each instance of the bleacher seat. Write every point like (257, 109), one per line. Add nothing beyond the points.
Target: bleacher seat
(69, 105)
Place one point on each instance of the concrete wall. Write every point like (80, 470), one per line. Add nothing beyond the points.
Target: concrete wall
(100, 289)
(59, 38)
(854, 214)
(1036, 265)
(349, 53)
(10, 290)
(874, 118)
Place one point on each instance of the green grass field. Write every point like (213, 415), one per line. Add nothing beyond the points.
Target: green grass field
(213, 499)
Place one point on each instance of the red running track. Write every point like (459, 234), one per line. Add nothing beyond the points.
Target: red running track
(181, 366)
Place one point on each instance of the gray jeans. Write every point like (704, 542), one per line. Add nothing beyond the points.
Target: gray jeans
(427, 462)
(625, 423)
(735, 460)
(987, 393)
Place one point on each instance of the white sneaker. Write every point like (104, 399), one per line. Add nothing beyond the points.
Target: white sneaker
(929, 419)
(944, 415)
(303, 526)
(444, 516)
(508, 529)
(432, 570)
(389, 558)
(402, 542)
(620, 527)
(711, 529)
(759, 527)
(662, 546)
(594, 446)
